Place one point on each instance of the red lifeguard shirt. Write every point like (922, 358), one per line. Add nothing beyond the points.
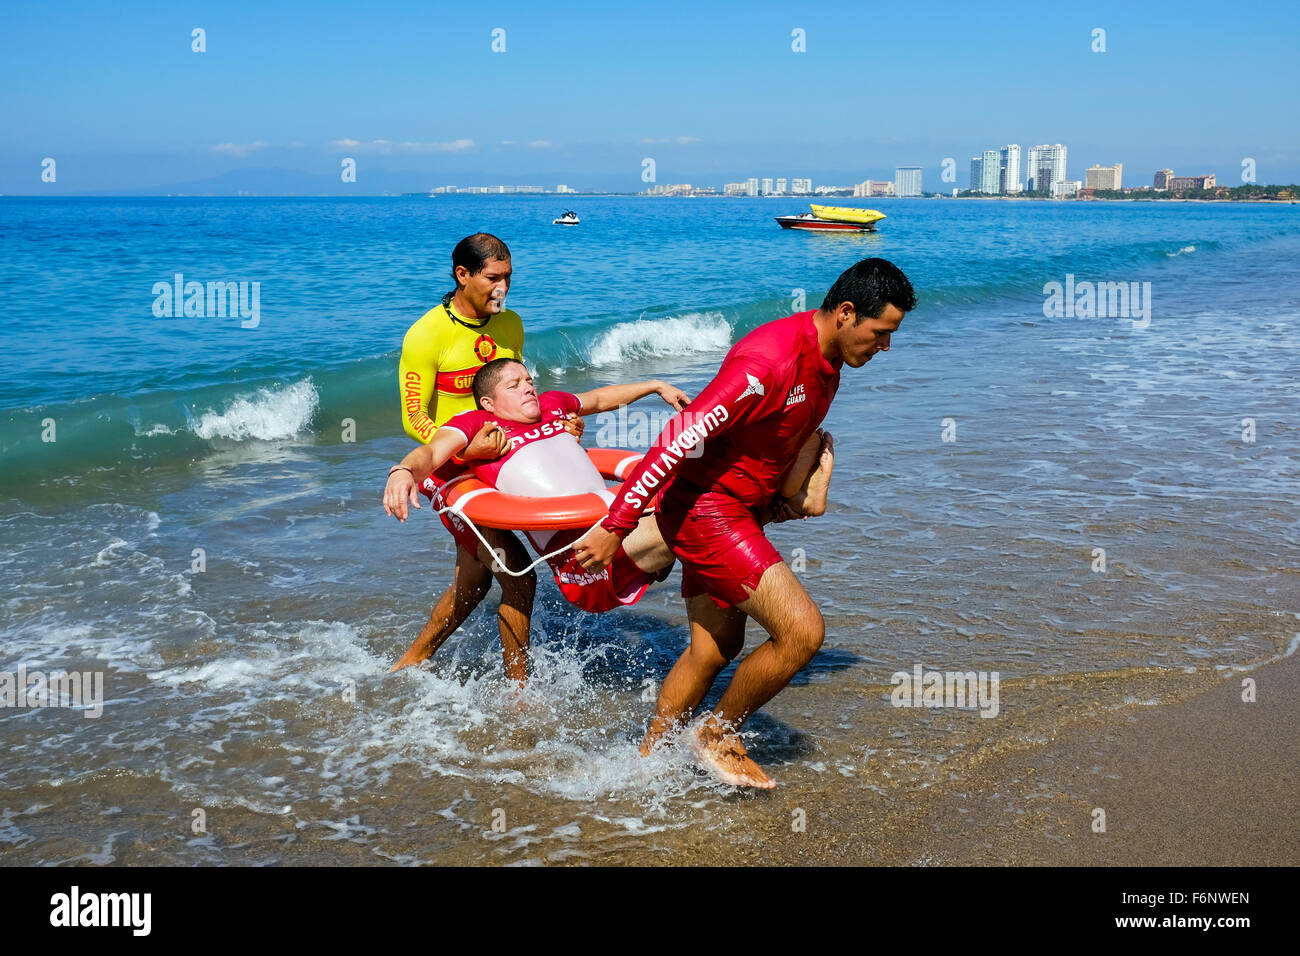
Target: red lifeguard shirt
(744, 430)
(555, 406)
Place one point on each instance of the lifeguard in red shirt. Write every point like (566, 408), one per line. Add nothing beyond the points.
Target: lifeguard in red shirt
(721, 469)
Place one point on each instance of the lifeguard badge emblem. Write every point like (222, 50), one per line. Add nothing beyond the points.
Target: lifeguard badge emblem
(485, 348)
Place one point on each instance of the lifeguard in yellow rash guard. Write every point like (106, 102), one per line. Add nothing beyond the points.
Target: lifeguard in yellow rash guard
(453, 340)
(440, 355)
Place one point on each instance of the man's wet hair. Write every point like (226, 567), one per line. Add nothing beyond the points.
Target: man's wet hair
(486, 378)
(476, 251)
(870, 285)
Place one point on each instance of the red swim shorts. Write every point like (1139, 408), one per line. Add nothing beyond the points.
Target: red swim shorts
(433, 487)
(720, 542)
(620, 585)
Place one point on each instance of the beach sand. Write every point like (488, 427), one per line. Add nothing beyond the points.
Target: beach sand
(1205, 781)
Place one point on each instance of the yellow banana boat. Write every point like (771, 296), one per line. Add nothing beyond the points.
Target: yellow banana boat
(846, 214)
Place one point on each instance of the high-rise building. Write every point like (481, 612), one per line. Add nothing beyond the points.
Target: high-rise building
(734, 189)
(991, 178)
(1163, 177)
(1057, 155)
(907, 181)
(976, 173)
(1046, 180)
(1104, 177)
(801, 187)
(780, 185)
(751, 186)
(873, 187)
(767, 186)
(1009, 169)
(1046, 165)
(1180, 184)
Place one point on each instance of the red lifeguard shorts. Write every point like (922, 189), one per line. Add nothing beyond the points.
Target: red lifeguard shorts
(432, 488)
(720, 542)
(619, 585)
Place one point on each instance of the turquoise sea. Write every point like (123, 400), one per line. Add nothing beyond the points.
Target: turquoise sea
(1103, 510)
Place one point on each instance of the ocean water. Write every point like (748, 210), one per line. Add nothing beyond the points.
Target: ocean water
(1100, 509)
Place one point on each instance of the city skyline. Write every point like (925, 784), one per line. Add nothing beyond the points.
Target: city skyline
(277, 98)
(1046, 163)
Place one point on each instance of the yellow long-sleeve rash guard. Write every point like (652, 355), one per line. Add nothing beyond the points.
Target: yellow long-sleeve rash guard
(439, 358)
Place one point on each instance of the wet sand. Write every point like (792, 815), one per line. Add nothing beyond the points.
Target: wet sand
(1209, 781)
(1206, 781)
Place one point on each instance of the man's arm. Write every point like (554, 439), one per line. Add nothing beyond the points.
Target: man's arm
(417, 375)
(423, 460)
(744, 389)
(611, 397)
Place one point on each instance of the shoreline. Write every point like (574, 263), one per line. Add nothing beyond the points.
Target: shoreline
(621, 195)
(1240, 202)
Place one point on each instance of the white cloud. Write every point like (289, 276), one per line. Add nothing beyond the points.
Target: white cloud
(388, 147)
(679, 140)
(539, 144)
(239, 149)
(455, 146)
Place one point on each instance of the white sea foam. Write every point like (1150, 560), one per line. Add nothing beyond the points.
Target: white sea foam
(574, 739)
(650, 338)
(1183, 251)
(268, 414)
(217, 675)
(105, 554)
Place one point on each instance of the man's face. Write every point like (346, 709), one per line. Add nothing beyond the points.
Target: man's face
(857, 343)
(514, 397)
(486, 289)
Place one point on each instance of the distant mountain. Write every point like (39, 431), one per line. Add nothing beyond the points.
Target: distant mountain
(279, 181)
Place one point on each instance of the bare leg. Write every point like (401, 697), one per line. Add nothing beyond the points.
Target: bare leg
(796, 630)
(808, 480)
(516, 609)
(646, 547)
(717, 635)
(810, 498)
(470, 583)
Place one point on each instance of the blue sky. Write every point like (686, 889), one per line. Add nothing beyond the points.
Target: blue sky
(583, 93)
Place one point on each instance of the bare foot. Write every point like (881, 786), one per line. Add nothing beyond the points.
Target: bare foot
(780, 509)
(516, 704)
(414, 655)
(427, 642)
(724, 757)
(654, 737)
(819, 482)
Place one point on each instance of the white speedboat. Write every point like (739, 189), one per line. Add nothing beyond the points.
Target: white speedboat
(570, 218)
(834, 219)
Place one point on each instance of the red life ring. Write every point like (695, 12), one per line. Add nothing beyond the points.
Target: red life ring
(489, 508)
